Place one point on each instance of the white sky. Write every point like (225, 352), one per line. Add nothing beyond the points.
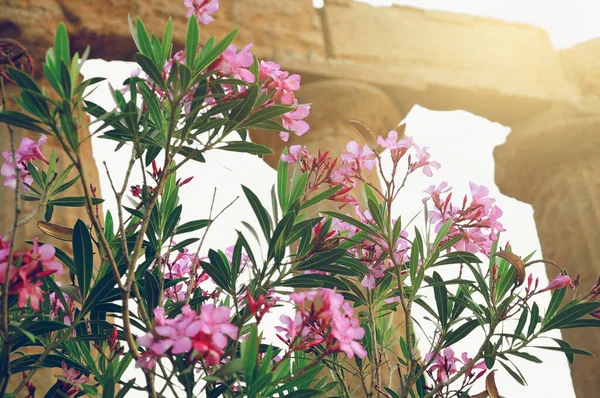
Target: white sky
(451, 137)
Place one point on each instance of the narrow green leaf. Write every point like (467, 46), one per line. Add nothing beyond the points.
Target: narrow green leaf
(246, 147)
(259, 211)
(83, 256)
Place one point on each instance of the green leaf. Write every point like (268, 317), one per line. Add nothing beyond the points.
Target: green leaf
(277, 243)
(249, 99)
(534, 319)
(26, 363)
(322, 259)
(442, 233)
(73, 201)
(567, 315)
(192, 226)
(246, 147)
(167, 40)
(567, 349)
(152, 292)
(320, 197)
(83, 256)
(61, 45)
(557, 297)
(150, 68)
(583, 323)
(212, 54)
(19, 120)
(529, 357)
(514, 374)
(259, 211)
(441, 299)
(314, 280)
(171, 222)
(127, 386)
(522, 320)
(460, 333)
(193, 154)
(48, 212)
(267, 113)
(143, 40)
(191, 40)
(103, 291)
(250, 356)
(218, 271)
(352, 221)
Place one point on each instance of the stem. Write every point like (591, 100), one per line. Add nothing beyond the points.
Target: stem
(376, 380)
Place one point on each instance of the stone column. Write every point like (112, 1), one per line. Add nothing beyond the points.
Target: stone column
(67, 216)
(333, 104)
(553, 162)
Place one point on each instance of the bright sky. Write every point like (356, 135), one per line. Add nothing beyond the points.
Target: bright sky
(567, 22)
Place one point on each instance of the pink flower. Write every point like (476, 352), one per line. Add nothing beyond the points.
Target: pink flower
(480, 365)
(292, 327)
(397, 148)
(268, 70)
(70, 381)
(359, 157)
(369, 279)
(233, 63)
(29, 290)
(559, 282)
(444, 365)
(294, 121)
(204, 332)
(202, 9)
(346, 336)
(293, 156)
(423, 161)
(73, 376)
(28, 151)
(285, 85)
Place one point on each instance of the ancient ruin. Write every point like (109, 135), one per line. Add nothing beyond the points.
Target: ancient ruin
(374, 64)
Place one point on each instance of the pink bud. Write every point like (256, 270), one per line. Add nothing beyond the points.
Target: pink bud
(559, 282)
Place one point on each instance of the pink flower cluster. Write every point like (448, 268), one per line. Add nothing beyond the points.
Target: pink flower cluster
(26, 271)
(362, 158)
(444, 365)
(476, 220)
(322, 317)
(57, 308)
(321, 172)
(70, 382)
(261, 305)
(182, 266)
(202, 336)
(283, 85)
(202, 9)
(28, 151)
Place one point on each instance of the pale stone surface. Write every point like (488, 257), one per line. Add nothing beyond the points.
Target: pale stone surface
(553, 162)
(274, 26)
(446, 61)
